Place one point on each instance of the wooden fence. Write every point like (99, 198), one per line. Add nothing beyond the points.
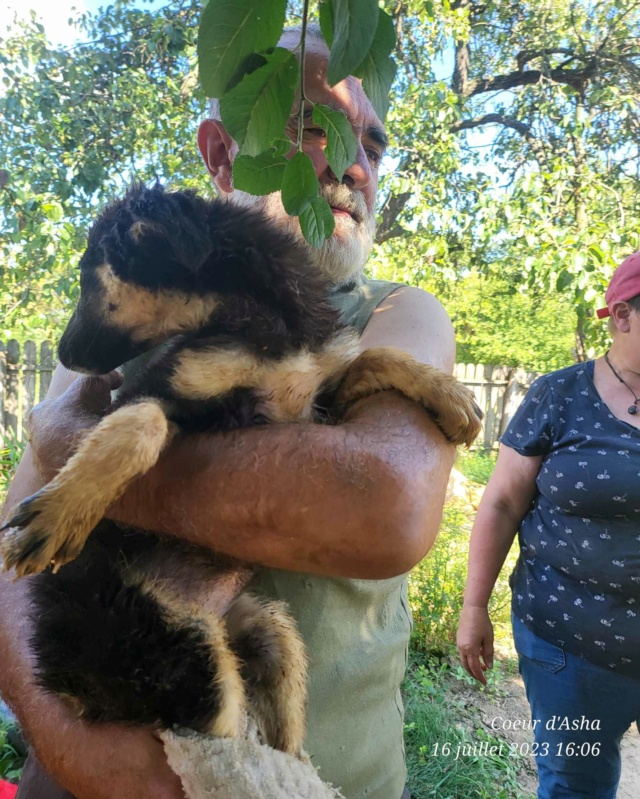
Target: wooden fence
(25, 375)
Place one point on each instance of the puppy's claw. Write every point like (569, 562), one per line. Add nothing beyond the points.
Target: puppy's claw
(38, 535)
(462, 421)
(22, 516)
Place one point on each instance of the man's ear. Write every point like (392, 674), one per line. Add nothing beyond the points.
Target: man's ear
(218, 150)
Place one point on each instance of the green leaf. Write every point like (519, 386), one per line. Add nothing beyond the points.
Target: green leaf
(260, 175)
(299, 185)
(342, 145)
(53, 211)
(326, 22)
(378, 70)
(230, 31)
(564, 280)
(354, 27)
(317, 222)
(255, 112)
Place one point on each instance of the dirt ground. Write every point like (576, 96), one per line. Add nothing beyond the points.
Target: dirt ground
(511, 703)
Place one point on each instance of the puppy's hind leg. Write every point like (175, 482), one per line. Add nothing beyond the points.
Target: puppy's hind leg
(385, 368)
(274, 669)
(54, 523)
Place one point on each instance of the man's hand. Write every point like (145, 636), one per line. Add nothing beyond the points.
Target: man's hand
(105, 760)
(56, 423)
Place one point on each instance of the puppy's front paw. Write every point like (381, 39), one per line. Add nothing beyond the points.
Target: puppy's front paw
(40, 533)
(459, 417)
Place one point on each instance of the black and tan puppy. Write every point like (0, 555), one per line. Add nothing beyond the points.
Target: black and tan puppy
(123, 631)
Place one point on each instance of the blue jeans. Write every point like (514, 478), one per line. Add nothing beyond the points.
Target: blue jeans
(600, 704)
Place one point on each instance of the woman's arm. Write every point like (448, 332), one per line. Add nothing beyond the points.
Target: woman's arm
(506, 499)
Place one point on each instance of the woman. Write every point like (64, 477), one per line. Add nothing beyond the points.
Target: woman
(568, 478)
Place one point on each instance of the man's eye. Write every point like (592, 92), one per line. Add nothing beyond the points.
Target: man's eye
(315, 131)
(374, 156)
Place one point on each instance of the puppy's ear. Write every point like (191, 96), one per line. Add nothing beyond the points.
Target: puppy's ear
(167, 229)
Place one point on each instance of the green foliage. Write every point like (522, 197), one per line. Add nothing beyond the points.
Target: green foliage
(519, 153)
(255, 111)
(378, 70)
(354, 25)
(76, 126)
(262, 174)
(342, 145)
(476, 465)
(497, 320)
(231, 31)
(436, 585)
(11, 761)
(317, 222)
(300, 184)
(10, 456)
(511, 188)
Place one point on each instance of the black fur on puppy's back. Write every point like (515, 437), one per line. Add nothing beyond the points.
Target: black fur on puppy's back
(112, 647)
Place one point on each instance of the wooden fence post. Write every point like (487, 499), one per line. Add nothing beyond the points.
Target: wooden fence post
(46, 368)
(28, 385)
(12, 389)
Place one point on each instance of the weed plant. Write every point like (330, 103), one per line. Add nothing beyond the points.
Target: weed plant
(436, 586)
(476, 465)
(11, 451)
(446, 760)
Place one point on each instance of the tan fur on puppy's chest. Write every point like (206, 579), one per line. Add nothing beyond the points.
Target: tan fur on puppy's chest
(287, 387)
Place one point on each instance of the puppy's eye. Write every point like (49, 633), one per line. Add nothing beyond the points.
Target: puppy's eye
(112, 307)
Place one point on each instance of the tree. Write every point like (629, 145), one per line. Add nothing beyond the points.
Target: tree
(78, 124)
(514, 130)
(528, 154)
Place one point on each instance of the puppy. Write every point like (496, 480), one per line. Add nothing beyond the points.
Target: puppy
(123, 627)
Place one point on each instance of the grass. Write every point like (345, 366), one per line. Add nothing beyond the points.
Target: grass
(476, 465)
(446, 759)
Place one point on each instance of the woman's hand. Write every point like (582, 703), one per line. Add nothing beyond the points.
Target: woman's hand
(475, 641)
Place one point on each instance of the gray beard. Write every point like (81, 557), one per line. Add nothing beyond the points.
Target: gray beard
(342, 257)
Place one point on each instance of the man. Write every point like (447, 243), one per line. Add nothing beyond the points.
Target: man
(336, 515)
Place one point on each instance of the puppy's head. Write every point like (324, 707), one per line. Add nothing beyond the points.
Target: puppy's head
(139, 279)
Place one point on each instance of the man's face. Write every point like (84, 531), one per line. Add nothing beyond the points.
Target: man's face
(344, 255)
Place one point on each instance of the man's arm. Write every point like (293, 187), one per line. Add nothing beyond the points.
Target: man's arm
(361, 499)
(93, 762)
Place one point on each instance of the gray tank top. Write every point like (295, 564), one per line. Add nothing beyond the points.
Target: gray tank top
(357, 635)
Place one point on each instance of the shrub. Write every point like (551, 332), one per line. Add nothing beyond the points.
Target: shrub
(436, 585)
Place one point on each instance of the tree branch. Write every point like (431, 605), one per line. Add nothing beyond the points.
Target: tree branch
(389, 213)
(506, 122)
(576, 78)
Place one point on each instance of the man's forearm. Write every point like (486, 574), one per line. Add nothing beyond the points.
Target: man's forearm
(362, 499)
(18, 686)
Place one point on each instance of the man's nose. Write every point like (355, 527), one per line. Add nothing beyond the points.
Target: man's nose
(358, 175)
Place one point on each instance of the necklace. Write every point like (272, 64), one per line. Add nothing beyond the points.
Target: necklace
(632, 409)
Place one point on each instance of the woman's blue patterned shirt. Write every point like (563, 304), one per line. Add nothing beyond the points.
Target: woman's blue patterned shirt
(577, 580)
